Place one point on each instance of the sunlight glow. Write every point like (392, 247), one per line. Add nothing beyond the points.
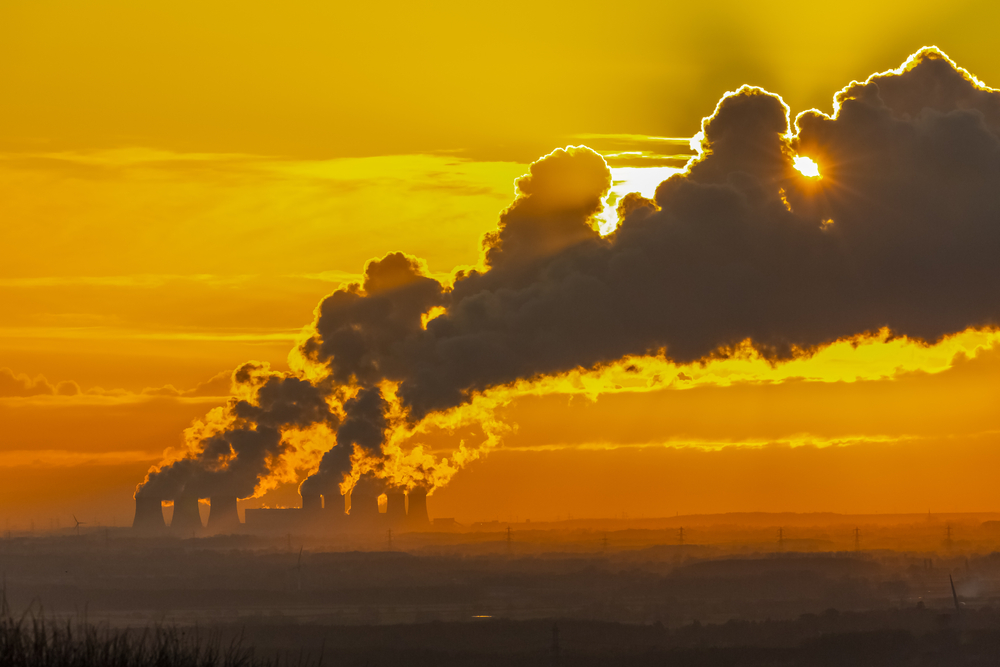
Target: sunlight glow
(807, 166)
(630, 179)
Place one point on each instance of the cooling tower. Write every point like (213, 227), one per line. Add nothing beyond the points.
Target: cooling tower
(312, 502)
(186, 517)
(148, 515)
(222, 515)
(416, 514)
(364, 505)
(395, 507)
(335, 506)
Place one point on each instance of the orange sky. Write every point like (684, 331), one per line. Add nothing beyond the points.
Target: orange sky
(181, 183)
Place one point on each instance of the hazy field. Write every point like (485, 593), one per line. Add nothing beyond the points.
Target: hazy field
(609, 585)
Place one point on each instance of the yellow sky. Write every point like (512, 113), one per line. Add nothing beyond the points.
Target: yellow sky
(181, 183)
(504, 80)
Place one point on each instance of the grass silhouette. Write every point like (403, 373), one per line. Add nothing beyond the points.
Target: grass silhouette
(34, 641)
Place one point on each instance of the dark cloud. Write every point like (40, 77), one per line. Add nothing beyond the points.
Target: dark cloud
(284, 401)
(742, 247)
(364, 325)
(635, 204)
(900, 232)
(554, 208)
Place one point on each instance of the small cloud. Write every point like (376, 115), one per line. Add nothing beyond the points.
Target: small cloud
(67, 388)
(165, 390)
(219, 385)
(101, 391)
(21, 385)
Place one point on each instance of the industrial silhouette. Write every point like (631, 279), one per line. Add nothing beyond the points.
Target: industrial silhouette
(404, 511)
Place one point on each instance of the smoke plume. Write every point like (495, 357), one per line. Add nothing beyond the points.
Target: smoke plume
(898, 232)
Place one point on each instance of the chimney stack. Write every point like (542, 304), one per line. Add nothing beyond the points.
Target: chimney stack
(416, 514)
(186, 516)
(148, 515)
(222, 515)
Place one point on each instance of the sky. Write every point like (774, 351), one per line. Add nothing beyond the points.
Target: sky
(182, 183)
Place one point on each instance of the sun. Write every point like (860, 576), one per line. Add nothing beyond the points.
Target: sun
(807, 166)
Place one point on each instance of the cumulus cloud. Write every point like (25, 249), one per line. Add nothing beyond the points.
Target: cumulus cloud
(364, 323)
(555, 207)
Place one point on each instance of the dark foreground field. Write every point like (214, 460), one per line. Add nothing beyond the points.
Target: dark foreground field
(912, 637)
(917, 637)
(558, 596)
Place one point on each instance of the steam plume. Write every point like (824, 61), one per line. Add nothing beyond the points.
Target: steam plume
(242, 443)
(899, 232)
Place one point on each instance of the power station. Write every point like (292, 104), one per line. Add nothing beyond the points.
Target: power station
(318, 514)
